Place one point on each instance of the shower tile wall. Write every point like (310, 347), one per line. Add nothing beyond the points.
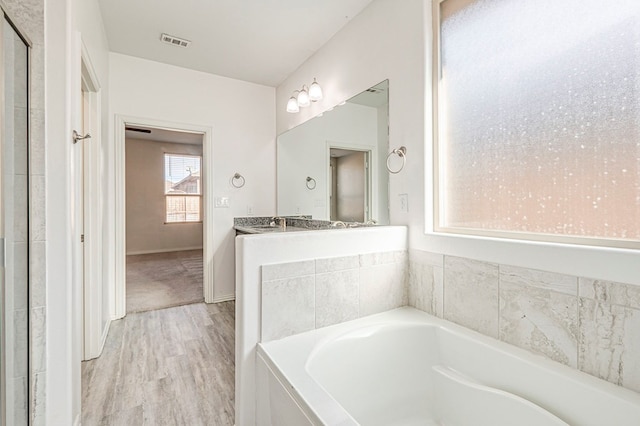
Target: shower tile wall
(583, 323)
(302, 296)
(28, 15)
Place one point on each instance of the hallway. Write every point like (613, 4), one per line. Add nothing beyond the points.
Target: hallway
(172, 366)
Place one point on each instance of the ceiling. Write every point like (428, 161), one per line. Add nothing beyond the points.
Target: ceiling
(261, 41)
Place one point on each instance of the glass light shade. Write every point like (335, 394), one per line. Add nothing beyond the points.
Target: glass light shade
(292, 105)
(315, 91)
(303, 97)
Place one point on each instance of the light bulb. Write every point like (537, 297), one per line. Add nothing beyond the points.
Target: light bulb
(315, 91)
(303, 97)
(292, 104)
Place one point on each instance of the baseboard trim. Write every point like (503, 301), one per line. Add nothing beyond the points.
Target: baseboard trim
(105, 333)
(227, 298)
(169, 250)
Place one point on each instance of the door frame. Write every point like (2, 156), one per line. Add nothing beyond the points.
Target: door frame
(371, 174)
(88, 179)
(121, 121)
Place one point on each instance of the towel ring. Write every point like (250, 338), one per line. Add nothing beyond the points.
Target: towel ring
(237, 180)
(311, 183)
(400, 152)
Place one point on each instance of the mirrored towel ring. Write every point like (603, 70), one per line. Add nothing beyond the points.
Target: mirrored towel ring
(400, 152)
(311, 183)
(237, 180)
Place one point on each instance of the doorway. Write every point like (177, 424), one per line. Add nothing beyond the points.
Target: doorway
(164, 218)
(122, 246)
(349, 186)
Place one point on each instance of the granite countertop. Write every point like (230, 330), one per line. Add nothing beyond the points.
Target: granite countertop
(263, 224)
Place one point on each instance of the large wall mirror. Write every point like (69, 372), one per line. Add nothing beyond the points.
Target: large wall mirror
(332, 167)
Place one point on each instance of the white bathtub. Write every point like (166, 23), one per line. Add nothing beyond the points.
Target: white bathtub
(405, 367)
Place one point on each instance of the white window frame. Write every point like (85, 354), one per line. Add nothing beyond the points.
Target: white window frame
(166, 196)
(438, 206)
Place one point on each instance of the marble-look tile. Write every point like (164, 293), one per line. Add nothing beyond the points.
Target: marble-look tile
(540, 320)
(609, 345)
(20, 141)
(380, 258)
(382, 287)
(37, 273)
(38, 340)
(20, 203)
(36, 143)
(20, 395)
(337, 297)
(288, 307)
(426, 287)
(426, 258)
(471, 294)
(566, 284)
(37, 208)
(627, 295)
(39, 388)
(20, 344)
(280, 271)
(20, 275)
(332, 264)
(28, 15)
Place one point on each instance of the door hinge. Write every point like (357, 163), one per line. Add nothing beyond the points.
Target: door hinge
(82, 238)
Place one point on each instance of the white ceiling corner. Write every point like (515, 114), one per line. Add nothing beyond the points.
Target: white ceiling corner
(261, 41)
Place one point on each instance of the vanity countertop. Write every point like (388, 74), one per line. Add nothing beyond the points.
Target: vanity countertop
(267, 224)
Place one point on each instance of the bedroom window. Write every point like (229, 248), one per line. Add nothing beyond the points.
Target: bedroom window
(537, 119)
(183, 188)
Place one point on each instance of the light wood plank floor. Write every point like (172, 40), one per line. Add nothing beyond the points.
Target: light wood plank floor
(172, 366)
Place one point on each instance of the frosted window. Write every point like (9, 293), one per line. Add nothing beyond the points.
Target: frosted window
(539, 108)
(182, 187)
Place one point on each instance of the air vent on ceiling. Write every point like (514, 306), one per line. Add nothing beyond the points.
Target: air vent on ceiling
(133, 129)
(174, 41)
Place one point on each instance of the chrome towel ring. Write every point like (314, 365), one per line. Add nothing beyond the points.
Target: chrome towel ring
(311, 183)
(237, 180)
(400, 152)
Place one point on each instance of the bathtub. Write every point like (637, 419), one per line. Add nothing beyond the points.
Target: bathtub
(405, 367)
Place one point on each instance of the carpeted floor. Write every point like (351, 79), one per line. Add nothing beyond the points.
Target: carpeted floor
(163, 280)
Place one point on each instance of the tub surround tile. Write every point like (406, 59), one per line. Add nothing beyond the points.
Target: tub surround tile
(382, 287)
(426, 282)
(37, 209)
(20, 396)
(613, 293)
(38, 340)
(337, 264)
(609, 345)
(20, 348)
(566, 284)
(287, 270)
(381, 258)
(288, 307)
(540, 320)
(471, 294)
(337, 297)
(39, 392)
(37, 273)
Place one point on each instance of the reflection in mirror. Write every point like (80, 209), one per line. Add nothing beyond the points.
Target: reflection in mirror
(344, 151)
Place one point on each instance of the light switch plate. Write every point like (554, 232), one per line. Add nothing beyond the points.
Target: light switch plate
(221, 202)
(404, 203)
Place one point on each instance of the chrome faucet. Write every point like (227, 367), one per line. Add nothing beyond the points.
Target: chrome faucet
(280, 221)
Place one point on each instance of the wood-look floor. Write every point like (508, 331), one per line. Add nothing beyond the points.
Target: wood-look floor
(172, 366)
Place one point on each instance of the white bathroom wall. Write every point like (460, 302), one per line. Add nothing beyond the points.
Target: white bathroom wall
(302, 152)
(147, 231)
(393, 40)
(243, 121)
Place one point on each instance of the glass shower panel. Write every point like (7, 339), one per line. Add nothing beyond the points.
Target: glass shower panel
(14, 213)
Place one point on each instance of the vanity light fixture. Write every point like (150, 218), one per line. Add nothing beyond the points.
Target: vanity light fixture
(292, 105)
(315, 91)
(304, 97)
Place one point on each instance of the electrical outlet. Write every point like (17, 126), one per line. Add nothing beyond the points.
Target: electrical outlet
(297, 210)
(404, 203)
(249, 210)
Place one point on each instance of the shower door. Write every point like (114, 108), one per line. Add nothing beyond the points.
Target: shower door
(14, 226)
